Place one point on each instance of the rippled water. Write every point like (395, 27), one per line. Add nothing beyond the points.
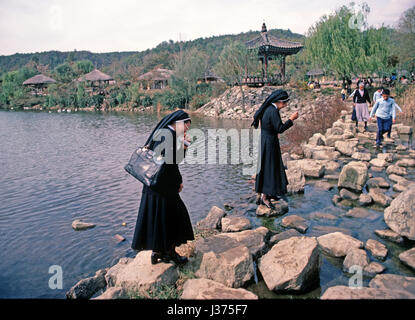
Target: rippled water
(59, 167)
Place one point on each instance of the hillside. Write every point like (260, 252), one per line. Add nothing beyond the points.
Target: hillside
(117, 63)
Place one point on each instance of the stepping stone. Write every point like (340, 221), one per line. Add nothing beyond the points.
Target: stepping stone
(377, 249)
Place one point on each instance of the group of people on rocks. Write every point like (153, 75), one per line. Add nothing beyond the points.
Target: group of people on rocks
(383, 110)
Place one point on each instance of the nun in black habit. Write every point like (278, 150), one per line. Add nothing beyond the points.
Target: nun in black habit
(271, 180)
(163, 221)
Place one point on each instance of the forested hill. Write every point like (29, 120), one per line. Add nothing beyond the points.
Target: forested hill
(117, 63)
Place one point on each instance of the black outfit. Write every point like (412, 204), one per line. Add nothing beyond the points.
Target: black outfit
(357, 98)
(163, 220)
(271, 178)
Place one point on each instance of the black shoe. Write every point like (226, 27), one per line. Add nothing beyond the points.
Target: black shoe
(157, 257)
(258, 200)
(270, 205)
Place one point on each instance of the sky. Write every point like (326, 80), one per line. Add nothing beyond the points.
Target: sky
(126, 25)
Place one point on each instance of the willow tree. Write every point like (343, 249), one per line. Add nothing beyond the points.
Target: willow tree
(233, 62)
(343, 43)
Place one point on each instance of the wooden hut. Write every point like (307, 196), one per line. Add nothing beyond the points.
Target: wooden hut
(208, 77)
(96, 78)
(38, 83)
(269, 47)
(155, 79)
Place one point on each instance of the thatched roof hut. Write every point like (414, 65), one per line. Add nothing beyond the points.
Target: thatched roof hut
(155, 79)
(95, 75)
(39, 79)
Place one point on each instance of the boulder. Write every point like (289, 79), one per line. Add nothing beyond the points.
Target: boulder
(281, 207)
(324, 185)
(139, 275)
(353, 175)
(401, 148)
(291, 265)
(377, 182)
(347, 148)
(361, 213)
(408, 258)
(284, 235)
(378, 163)
(377, 249)
(254, 240)
(296, 180)
(338, 244)
(346, 194)
(81, 225)
(398, 179)
(355, 257)
(205, 289)
(385, 156)
(372, 269)
(223, 259)
(404, 129)
(322, 216)
(322, 230)
(406, 163)
(362, 156)
(317, 140)
(352, 293)
(397, 170)
(389, 235)
(113, 293)
(235, 224)
(379, 197)
(212, 220)
(86, 288)
(393, 282)
(400, 215)
(311, 168)
(298, 223)
(365, 199)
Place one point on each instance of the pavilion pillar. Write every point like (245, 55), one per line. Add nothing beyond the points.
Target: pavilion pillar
(266, 66)
(283, 66)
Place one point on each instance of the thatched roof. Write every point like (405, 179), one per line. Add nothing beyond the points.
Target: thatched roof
(95, 75)
(272, 44)
(39, 79)
(156, 75)
(315, 72)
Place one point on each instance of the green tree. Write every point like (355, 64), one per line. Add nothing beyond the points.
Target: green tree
(406, 39)
(343, 43)
(83, 66)
(64, 72)
(189, 66)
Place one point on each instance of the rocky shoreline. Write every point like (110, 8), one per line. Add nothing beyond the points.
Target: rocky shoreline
(228, 254)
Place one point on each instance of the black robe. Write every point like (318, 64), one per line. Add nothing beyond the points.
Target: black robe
(163, 220)
(271, 178)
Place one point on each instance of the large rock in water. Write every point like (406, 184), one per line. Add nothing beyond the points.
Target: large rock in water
(212, 220)
(86, 288)
(254, 240)
(351, 293)
(296, 222)
(235, 224)
(393, 282)
(311, 168)
(205, 289)
(347, 148)
(355, 257)
(296, 180)
(379, 197)
(139, 275)
(353, 175)
(81, 225)
(223, 259)
(400, 215)
(408, 258)
(338, 244)
(291, 264)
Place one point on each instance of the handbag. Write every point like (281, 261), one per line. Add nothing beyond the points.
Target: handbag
(145, 166)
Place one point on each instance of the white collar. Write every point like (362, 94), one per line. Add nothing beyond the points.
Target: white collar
(171, 127)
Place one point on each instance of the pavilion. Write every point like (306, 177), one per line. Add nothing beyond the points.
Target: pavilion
(155, 79)
(38, 82)
(268, 48)
(96, 78)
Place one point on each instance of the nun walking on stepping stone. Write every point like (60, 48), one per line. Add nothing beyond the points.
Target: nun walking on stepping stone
(271, 180)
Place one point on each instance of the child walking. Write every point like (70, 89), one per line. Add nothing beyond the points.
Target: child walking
(384, 111)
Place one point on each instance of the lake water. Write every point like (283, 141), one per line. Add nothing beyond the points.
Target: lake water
(58, 167)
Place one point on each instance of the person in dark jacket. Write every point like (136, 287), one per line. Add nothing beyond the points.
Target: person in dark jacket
(360, 100)
(163, 221)
(271, 180)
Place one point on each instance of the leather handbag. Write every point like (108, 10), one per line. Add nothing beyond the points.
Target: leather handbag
(145, 166)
